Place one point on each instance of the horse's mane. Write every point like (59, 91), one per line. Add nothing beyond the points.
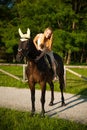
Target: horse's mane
(33, 53)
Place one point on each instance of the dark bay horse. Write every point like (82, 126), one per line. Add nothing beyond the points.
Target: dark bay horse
(40, 72)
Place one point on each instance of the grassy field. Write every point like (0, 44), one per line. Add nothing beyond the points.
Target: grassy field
(15, 120)
(74, 84)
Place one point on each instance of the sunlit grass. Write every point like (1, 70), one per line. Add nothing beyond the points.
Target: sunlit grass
(15, 120)
(75, 84)
(15, 70)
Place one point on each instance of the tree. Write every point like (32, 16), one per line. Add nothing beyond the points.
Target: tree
(68, 19)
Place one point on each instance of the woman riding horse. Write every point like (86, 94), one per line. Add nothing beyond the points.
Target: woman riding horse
(43, 42)
(39, 72)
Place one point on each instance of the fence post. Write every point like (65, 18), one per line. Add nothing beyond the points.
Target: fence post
(24, 74)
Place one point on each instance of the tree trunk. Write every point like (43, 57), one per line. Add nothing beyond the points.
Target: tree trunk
(73, 25)
(86, 60)
(65, 57)
(76, 5)
(81, 59)
(68, 57)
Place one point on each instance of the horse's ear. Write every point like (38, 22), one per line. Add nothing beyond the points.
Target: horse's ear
(20, 32)
(28, 33)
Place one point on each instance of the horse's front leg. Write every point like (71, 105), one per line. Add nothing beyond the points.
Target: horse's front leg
(32, 89)
(43, 91)
(52, 93)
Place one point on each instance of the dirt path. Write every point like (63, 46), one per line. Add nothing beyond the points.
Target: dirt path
(19, 99)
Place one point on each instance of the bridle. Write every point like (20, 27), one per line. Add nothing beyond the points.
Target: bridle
(22, 51)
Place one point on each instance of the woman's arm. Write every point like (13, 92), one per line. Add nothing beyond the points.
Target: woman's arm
(35, 41)
(42, 54)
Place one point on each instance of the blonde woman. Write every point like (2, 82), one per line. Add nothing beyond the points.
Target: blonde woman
(43, 42)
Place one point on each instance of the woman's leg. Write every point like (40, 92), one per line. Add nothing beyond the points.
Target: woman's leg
(53, 64)
(54, 68)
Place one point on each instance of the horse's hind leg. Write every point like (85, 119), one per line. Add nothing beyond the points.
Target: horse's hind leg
(62, 85)
(52, 93)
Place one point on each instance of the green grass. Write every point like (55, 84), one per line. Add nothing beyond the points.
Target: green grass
(9, 81)
(74, 84)
(15, 70)
(15, 120)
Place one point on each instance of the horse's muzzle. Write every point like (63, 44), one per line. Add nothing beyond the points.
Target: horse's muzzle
(19, 56)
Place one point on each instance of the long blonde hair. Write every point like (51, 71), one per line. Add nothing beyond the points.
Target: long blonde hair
(47, 42)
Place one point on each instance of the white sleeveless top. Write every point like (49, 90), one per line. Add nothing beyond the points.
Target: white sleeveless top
(39, 41)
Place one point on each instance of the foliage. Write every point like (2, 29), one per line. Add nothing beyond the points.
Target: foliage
(68, 18)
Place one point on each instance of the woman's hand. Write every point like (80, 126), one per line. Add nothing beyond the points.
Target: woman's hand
(41, 55)
(37, 58)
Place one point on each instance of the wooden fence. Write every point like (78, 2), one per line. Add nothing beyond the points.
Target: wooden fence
(11, 75)
(66, 68)
(75, 73)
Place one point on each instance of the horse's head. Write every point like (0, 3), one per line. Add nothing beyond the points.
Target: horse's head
(26, 47)
(23, 45)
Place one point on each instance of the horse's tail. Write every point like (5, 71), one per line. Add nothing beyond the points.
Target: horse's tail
(61, 71)
(62, 75)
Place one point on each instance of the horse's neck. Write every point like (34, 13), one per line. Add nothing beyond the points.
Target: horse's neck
(37, 52)
(34, 51)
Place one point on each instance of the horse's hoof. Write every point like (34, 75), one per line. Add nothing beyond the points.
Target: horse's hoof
(63, 104)
(32, 114)
(51, 104)
(42, 114)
